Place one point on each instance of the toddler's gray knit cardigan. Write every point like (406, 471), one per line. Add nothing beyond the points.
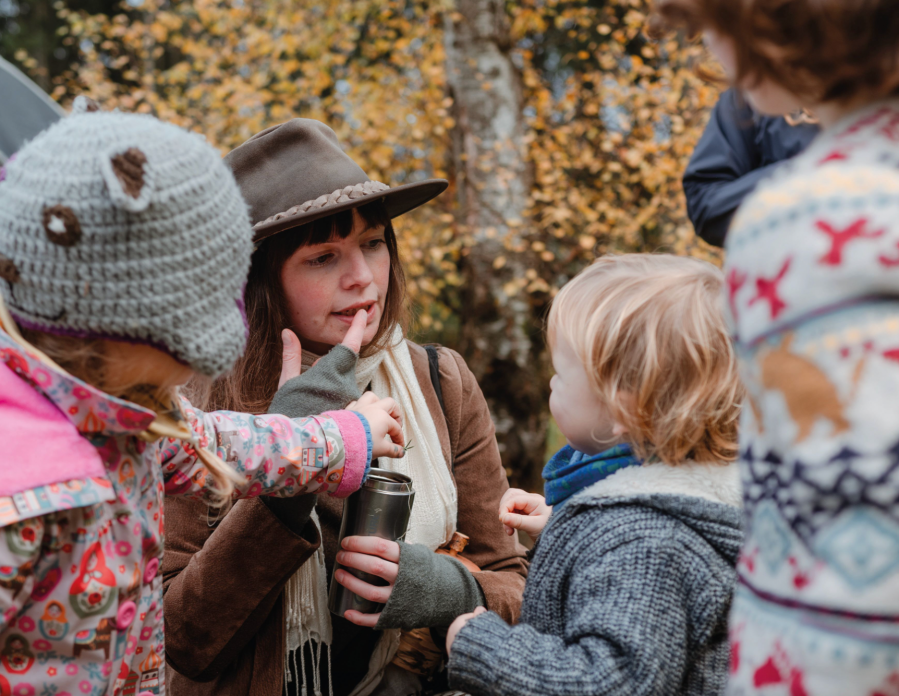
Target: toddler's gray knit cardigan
(628, 593)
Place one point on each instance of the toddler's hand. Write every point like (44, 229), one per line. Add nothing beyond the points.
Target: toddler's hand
(385, 422)
(519, 509)
(457, 625)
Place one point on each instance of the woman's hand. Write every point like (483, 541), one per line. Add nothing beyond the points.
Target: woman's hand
(519, 509)
(292, 351)
(375, 556)
(385, 422)
(457, 625)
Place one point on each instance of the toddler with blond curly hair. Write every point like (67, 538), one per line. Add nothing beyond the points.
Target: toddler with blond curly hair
(631, 580)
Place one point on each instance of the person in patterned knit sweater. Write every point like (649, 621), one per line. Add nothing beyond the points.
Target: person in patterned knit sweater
(813, 296)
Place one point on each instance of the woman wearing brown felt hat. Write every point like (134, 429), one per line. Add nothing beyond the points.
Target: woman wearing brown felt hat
(327, 280)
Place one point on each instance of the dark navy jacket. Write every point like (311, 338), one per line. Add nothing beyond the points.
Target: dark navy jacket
(737, 150)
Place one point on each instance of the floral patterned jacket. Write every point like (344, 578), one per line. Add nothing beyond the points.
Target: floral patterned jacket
(80, 589)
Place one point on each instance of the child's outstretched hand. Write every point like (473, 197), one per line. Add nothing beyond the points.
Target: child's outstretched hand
(457, 625)
(519, 509)
(386, 424)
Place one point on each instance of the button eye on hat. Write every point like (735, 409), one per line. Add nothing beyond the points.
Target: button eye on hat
(296, 172)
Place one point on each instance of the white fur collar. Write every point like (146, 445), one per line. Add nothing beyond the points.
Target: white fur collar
(719, 483)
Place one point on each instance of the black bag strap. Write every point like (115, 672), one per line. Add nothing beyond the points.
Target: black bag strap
(434, 370)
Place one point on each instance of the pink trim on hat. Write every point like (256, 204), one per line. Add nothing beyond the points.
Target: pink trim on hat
(355, 447)
(79, 333)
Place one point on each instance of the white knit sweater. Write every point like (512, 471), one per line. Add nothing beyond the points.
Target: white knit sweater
(813, 294)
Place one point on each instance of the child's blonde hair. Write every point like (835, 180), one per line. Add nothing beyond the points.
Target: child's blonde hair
(650, 326)
(87, 360)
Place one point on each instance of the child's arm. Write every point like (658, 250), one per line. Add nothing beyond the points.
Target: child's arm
(624, 634)
(519, 509)
(274, 454)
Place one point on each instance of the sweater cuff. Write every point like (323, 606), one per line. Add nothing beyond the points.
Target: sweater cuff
(329, 384)
(476, 651)
(369, 444)
(357, 447)
(431, 590)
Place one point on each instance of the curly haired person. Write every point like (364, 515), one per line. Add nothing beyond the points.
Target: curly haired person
(631, 580)
(812, 288)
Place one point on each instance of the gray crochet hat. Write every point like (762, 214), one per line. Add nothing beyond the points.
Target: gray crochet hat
(121, 226)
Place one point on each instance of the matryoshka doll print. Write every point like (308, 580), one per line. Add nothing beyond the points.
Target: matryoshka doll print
(24, 538)
(94, 589)
(127, 478)
(53, 623)
(13, 578)
(16, 656)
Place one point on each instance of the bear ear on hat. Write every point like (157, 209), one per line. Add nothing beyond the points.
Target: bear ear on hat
(129, 178)
(84, 105)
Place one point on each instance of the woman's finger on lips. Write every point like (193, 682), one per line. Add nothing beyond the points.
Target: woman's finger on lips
(369, 564)
(364, 589)
(360, 619)
(353, 337)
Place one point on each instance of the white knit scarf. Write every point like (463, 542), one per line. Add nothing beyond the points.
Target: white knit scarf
(433, 521)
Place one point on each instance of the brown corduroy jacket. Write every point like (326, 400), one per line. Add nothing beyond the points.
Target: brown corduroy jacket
(224, 581)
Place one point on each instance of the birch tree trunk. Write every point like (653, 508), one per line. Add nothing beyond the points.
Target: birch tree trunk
(500, 338)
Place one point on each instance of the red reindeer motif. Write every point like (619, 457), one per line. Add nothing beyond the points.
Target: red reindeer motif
(767, 290)
(890, 687)
(735, 282)
(779, 670)
(840, 238)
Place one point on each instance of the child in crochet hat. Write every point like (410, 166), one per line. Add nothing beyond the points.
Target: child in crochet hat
(631, 580)
(124, 247)
(813, 299)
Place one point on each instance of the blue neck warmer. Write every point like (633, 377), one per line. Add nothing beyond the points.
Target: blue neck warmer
(570, 471)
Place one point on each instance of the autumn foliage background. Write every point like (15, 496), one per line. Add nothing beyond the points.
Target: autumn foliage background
(607, 119)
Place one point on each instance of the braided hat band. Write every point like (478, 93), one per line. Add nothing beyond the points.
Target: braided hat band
(344, 195)
(297, 172)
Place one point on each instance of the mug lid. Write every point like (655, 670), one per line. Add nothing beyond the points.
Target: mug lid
(392, 481)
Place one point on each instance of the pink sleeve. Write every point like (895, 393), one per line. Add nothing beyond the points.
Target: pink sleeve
(274, 454)
(357, 446)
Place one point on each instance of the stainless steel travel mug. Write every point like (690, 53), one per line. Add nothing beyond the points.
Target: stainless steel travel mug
(381, 508)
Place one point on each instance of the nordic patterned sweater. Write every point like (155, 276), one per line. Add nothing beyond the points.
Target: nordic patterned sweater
(813, 291)
(627, 595)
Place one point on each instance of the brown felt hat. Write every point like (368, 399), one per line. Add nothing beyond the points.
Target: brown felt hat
(296, 172)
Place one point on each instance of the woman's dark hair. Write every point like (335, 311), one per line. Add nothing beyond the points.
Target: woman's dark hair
(253, 381)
